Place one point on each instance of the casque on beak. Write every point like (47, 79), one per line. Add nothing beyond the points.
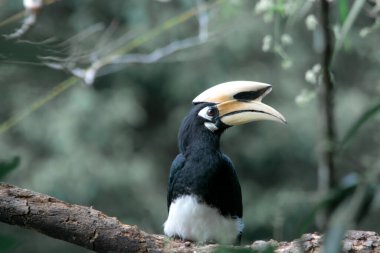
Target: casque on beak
(239, 102)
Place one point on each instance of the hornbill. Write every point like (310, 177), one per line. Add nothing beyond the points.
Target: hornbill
(204, 195)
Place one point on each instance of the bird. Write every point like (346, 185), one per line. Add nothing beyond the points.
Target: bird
(204, 198)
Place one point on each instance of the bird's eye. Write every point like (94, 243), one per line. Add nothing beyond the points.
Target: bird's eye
(209, 113)
(212, 111)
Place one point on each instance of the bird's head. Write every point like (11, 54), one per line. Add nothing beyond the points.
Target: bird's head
(222, 106)
(235, 103)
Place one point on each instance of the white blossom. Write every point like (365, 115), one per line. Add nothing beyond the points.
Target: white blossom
(310, 76)
(311, 22)
(304, 97)
(32, 4)
(286, 39)
(263, 6)
(89, 76)
(364, 32)
(267, 43)
(286, 64)
(316, 68)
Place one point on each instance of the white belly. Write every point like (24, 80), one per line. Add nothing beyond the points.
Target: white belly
(191, 220)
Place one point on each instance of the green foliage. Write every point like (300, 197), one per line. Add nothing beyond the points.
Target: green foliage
(368, 114)
(347, 25)
(343, 10)
(337, 199)
(7, 166)
(342, 219)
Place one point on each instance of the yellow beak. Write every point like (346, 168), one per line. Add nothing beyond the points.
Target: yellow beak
(239, 102)
(235, 112)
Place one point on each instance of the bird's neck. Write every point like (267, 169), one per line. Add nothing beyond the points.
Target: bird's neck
(200, 140)
(208, 145)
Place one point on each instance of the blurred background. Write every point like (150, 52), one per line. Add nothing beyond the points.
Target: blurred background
(96, 91)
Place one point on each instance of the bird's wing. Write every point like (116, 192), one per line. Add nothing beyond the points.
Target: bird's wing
(177, 164)
(236, 207)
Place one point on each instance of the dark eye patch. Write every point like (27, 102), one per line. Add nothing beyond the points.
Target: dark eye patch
(250, 95)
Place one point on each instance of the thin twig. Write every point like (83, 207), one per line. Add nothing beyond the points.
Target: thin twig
(352, 15)
(70, 82)
(30, 14)
(326, 169)
(29, 21)
(174, 46)
(20, 14)
(103, 56)
(57, 90)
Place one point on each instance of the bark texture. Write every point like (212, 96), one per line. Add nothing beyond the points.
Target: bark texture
(94, 230)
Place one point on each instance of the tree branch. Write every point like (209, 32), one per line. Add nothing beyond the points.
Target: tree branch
(101, 58)
(94, 230)
(326, 170)
(32, 8)
(80, 225)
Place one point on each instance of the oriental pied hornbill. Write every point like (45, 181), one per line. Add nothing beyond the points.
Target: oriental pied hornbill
(204, 196)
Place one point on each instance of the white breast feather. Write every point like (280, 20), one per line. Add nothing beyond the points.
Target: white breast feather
(191, 220)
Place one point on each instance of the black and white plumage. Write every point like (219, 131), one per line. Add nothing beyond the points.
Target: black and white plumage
(204, 195)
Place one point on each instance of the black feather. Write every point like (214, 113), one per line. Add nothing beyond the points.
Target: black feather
(202, 170)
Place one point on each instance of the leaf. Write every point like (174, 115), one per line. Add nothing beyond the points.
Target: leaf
(338, 197)
(279, 7)
(352, 131)
(331, 201)
(343, 10)
(8, 166)
(342, 219)
(349, 213)
(351, 17)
